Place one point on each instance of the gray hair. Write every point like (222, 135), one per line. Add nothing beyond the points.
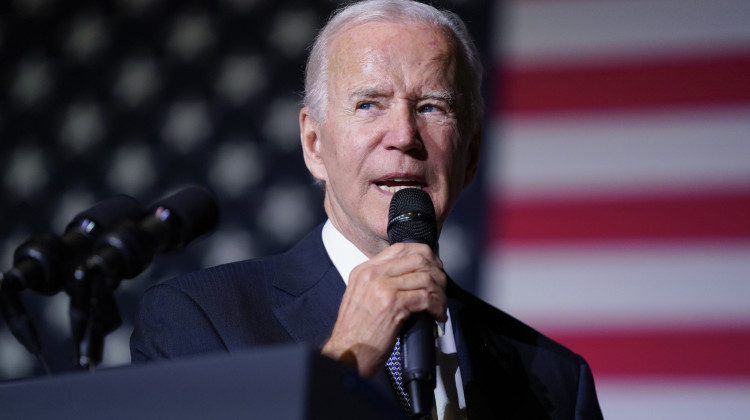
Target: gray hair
(470, 65)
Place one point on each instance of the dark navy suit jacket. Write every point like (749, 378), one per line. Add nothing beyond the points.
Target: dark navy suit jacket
(509, 370)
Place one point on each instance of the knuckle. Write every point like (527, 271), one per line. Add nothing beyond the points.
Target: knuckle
(417, 259)
(399, 247)
(384, 297)
(362, 274)
(423, 298)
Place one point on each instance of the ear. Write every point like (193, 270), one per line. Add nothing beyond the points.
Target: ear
(311, 145)
(472, 156)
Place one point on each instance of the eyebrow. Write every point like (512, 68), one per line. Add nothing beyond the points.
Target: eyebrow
(442, 95)
(371, 92)
(367, 92)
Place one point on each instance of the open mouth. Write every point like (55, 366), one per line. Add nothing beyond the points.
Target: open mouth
(397, 184)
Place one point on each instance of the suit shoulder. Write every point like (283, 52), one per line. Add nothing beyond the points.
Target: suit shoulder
(222, 286)
(229, 272)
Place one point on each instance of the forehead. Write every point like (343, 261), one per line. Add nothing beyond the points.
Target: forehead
(394, 49)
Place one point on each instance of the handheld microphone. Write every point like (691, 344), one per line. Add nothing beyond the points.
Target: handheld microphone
(411, 218)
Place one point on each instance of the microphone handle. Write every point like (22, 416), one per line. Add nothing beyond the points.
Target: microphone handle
(418, 355)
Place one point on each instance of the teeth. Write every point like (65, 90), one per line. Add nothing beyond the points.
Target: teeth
(394, 185)
(393, 190)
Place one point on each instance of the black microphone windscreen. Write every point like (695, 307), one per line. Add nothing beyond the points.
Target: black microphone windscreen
(106, 213)
(411, 218)
(195, 207)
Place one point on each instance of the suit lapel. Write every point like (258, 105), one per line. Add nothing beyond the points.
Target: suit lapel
(495, 383)
(307, 291)
(307, 295)
(476, 363)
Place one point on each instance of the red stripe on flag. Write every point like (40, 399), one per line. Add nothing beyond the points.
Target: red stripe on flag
(698, 81)
(695, 353)
(718, 215)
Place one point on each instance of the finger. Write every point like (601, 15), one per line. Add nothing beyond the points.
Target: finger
(391, 300)
(418, 301)
(432, 281)
(404, 249)
(401, 260)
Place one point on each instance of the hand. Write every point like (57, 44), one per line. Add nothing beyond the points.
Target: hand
(404, 279)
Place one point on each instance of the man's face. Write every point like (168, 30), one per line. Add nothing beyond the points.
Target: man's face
(391, 121)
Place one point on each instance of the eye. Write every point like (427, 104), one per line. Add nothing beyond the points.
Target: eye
(365, 106)
(430, 108)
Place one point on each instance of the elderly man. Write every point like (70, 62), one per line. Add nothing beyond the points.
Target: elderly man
(392, 101)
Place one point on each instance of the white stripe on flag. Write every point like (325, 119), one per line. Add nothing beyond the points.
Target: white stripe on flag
(610, 286)
(665, 399)
(537, 32)
(615, 153)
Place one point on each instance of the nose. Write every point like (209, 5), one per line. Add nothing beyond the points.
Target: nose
(402, 132)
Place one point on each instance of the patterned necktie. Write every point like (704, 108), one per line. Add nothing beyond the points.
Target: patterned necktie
(393, 368)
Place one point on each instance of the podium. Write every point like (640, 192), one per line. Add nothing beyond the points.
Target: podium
(286, 383)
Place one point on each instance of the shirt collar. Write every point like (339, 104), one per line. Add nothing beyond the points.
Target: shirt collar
(344, 254)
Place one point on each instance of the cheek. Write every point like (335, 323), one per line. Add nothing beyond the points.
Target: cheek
(453, 162)
(330, 149)
(354, 151)
(344, 163)
(449, 154)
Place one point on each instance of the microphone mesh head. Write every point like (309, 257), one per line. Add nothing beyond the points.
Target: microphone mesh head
(411, 218)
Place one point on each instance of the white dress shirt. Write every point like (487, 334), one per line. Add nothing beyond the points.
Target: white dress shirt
(449, 392)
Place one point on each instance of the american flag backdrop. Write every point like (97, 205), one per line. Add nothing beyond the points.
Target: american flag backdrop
(612, 209)
(619, 195)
